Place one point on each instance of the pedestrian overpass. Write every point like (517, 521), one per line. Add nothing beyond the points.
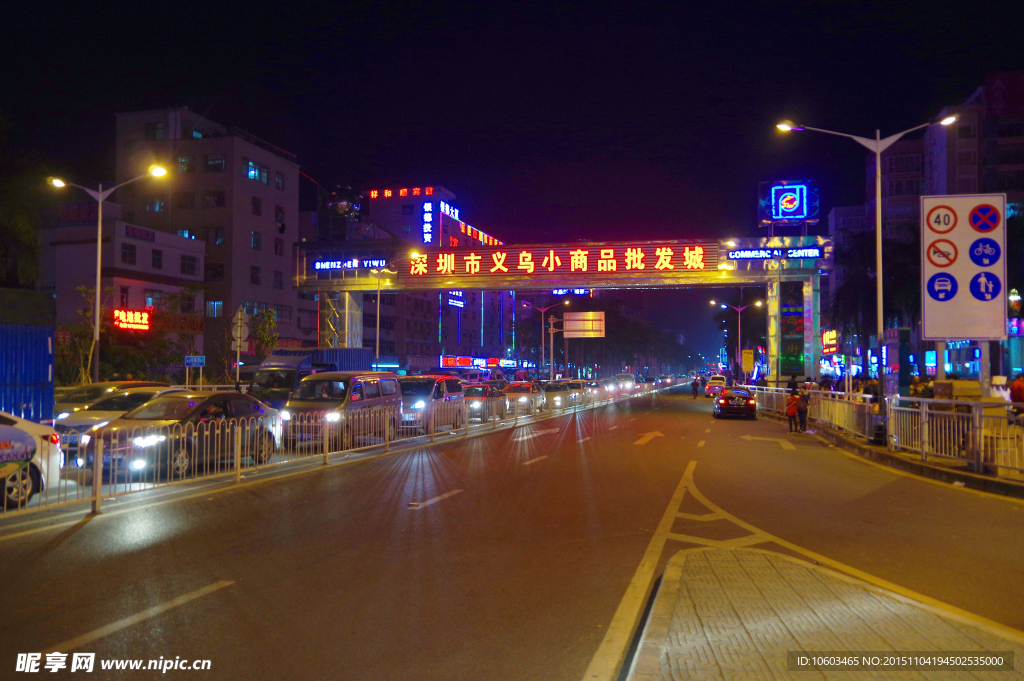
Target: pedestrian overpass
(789, 268)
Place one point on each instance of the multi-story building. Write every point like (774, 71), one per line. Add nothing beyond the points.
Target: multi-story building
(236, 193)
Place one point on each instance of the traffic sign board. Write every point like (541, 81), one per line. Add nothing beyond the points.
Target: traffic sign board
(985, 252)
(240, 315)
(985, 218)
(941, 219)
(981, 315)
(240, 331)
(942, 287)
(195, 360)
(942, 253)
(239, 345)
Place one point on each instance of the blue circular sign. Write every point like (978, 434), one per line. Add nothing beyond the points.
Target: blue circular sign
(986, 286)
(984, 218)
(942, 287)
(985, 252)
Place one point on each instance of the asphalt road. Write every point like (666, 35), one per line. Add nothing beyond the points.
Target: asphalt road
(502, 556)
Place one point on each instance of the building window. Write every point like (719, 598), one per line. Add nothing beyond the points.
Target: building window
(279, 218)
(156, 131)
(214, 271)
(189, 264)
(215, 237)
(187, 305)
(278, 246)
(155, 204)
(257, 206)
(279, 181)
(128, 254)
(153, 298)
(256, 241)
(278, 280)
(124, 296)
(283, 313)
(158, 259)
(216, 163)
(214, 308)
(185, 200)
(251, 307)
(187, 234)
(257, 172)
(213, 198)
(186, 164)
(254, 275)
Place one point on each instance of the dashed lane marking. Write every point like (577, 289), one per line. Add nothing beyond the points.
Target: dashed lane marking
(701, 443)
(414, 505)
(539, 458)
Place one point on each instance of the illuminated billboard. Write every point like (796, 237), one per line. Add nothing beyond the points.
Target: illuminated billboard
(137, 320)
(788, 202)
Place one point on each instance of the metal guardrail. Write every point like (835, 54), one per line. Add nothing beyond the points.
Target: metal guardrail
(989, 436)
(100, 464)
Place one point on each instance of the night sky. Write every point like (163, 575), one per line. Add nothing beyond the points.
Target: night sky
(652, 121)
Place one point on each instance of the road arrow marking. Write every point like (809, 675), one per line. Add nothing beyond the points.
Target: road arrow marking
(701, 443)
(647, 437)
(527, 463)
(535, 433)
(707, 430)
(786, 444)
(415, 505)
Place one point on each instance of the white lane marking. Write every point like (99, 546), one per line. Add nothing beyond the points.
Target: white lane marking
(536, 433)
(539, 458)
(612, 427)
(415, 505)
(701, 443)
(139, 617)
(647, 437)
(583, 439)
(633, 419)
(786, 444)
(606, 661)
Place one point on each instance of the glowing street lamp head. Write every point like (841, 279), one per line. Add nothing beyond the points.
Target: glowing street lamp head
(414, 254)
(712, 302)
(759, 303)
(789, 126)
(55, 181)
(948, 120)
(157, 171)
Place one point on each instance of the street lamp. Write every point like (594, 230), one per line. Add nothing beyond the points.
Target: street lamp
(528, 304)
(739, 324)
(877, 145)
(101, 195)
(376, 355)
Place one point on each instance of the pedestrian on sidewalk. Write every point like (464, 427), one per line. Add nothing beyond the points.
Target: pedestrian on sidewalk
(1017, 393)
(801, 408)
(791, 408)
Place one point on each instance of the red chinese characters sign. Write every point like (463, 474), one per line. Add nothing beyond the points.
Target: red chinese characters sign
(132, 319)
(560, 261)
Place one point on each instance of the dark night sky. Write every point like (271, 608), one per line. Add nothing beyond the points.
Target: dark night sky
(558, 124)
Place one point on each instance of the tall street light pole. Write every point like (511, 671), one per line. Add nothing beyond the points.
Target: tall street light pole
(543, 341)
(101, 195)
(376, 355)
(877, 145)
(739, 325)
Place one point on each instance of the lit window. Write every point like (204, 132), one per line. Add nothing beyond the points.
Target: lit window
(155, 204)
(256, 241)
(186, 164)
(257, 172)
(214, 308)
(279, 181)
(216, 163)
(215, 237)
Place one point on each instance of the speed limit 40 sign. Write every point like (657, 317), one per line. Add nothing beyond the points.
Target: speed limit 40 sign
(963, 267)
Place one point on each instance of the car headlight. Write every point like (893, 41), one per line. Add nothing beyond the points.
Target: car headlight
(148, 440)
(63, 415)
(139, 464)
(419, 405)
(286, 415)
(99, 425)
(80, 462)
(558, 399)
(84, 440)
(332, 416)
(523, 399)
(474, 405)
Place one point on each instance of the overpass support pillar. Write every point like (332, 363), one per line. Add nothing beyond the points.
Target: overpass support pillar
(774, 332)
(812, 325)
(341, 319)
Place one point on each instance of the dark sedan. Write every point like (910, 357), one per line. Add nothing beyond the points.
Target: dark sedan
(735, 402)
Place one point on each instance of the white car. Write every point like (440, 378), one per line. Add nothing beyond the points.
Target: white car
(30, 459)
(715, 386)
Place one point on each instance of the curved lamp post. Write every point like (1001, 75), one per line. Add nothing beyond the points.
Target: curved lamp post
(101, 195)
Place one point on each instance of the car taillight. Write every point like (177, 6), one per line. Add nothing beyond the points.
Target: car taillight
(55, 439)
(723, 401)
(751, 401)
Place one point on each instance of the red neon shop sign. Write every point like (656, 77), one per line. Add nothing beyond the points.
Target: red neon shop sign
(137, 320)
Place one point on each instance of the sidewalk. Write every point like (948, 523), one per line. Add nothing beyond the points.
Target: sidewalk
(734, 614)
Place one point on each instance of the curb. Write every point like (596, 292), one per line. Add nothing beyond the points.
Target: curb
(979, 483)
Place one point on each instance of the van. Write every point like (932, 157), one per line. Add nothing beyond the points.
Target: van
(362, 403)
(432, 401)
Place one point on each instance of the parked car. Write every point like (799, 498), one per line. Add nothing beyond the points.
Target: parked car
(715, 385)
(101, 412)
(527, 396)
(347, 398)
(432, 401)
(30, 459)
(484, 401)
(80, 398)
(735, 402)
(183, 433)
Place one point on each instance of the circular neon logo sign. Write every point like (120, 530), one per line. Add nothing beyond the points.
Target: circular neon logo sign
(789, 201)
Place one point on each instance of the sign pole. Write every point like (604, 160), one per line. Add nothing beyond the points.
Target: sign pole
(238, 350)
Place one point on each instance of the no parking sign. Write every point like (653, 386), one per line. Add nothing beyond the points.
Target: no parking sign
(963, 267)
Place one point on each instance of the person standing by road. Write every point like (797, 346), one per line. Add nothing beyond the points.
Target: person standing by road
(801, 408)
(791, 411)
(1017, 392)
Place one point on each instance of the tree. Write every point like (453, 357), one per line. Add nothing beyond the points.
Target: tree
(263, 327)
(21, 198)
